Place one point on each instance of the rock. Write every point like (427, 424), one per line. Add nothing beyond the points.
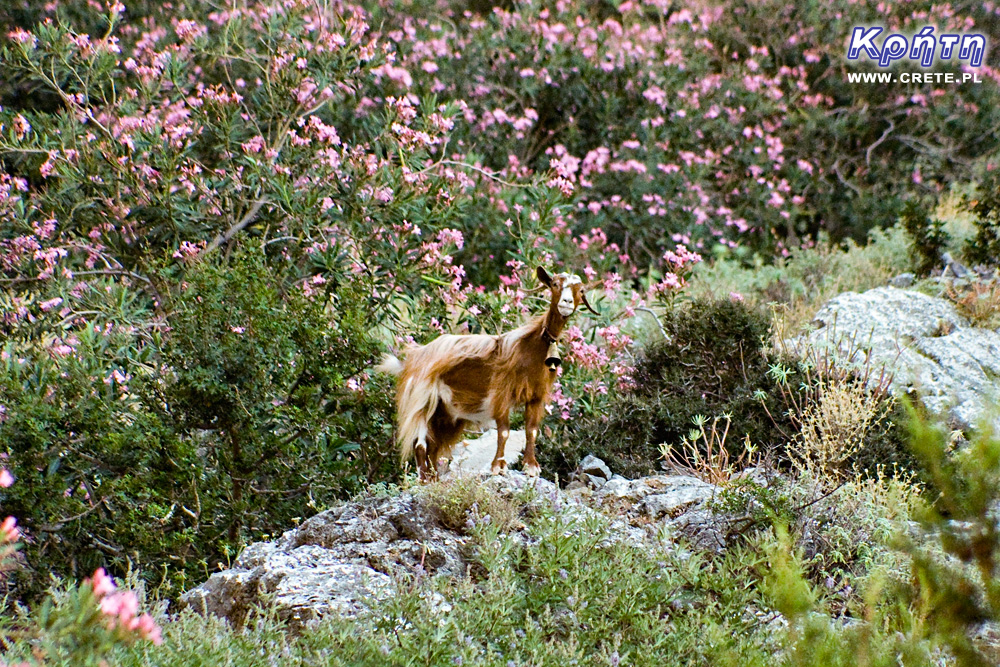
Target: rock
(636, 489)
(923, 341)
(336, 562)
(683, 492)
(953, 266)
(476, 457)
(595, 467)
(344, 559)
(903, 280)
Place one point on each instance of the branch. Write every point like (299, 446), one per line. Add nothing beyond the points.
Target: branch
(235, 229)
(457, 163)
(868, 153)
(655, 319)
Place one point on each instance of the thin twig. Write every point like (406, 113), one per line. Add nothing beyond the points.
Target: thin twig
(655, 319)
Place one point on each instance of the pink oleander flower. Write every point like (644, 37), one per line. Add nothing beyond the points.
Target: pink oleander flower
(50, 304)
(6, 479)
(22, 36)
(121, 609)
(9, 531)
(101, 582)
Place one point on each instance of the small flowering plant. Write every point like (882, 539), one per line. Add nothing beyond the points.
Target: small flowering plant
(79, 624)
(82, 624)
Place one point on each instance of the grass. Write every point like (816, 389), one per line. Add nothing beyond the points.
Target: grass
(559, 592)
(564, 596)
(805, 280)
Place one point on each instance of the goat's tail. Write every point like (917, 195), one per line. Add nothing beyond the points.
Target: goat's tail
(416, 402)
(391, 365)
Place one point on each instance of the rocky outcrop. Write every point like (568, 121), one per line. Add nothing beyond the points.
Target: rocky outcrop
(336, 562)
(341, 560)
(929, 348)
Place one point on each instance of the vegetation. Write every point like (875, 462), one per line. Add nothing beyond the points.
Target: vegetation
(215, 218)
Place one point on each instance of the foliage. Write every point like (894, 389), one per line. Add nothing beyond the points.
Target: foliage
(719, 123)
(75, 624)
(984, 247)
(979, 301)
(838, 403)
(835, 427)
(559, 593)
(957, 580)
(808, 277)
(84, 624)
(927, 236)
(703, 453)
(202, 249)
(460, 504)
(713, 361)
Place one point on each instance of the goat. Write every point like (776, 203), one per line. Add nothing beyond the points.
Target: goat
(460, 380)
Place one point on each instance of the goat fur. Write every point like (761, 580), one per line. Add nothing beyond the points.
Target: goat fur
(455, 382)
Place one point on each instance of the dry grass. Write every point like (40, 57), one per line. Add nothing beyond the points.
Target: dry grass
(810, 277)
(463, 502)
(834, 427)
(979, 302)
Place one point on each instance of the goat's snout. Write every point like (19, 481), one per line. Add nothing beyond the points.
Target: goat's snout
(566, 304)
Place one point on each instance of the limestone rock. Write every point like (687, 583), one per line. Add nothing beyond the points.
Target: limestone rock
(595, 467)
(926, 344)
(343, 559)
(682, 493)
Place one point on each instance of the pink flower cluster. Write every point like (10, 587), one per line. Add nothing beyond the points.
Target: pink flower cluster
(121, 609)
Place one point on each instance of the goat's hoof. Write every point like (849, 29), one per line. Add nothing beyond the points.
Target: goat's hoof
(532, 470)
(499, 468)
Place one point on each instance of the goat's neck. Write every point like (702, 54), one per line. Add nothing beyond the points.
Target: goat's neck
(553, 324)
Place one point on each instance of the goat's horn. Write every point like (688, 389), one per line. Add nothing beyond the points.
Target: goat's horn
(536, 290)
(586, 304)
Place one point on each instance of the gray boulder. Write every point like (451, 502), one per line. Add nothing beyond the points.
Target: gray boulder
(342, 560)
(929, 348)
(336, 562)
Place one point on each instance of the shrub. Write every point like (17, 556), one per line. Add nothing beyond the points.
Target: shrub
(927, 235)
(462, 503)
(984, 247)
(713, 362)
(834, 428)
(979, 301)
(729, 123)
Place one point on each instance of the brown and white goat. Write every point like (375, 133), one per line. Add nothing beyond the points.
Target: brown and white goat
(458, 381)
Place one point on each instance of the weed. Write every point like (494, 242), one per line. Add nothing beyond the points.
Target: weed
(461, 503)
(927, 235)
(979, 301)
(702, 453)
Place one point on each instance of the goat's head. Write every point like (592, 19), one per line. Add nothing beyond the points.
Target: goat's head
(568, 291)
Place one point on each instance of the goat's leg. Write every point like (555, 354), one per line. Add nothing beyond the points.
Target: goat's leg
(420, 449)
(503, 430)
(422, 468)
(533, 413)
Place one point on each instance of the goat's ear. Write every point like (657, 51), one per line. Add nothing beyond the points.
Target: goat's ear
(543, 277)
